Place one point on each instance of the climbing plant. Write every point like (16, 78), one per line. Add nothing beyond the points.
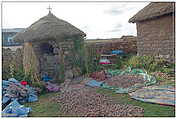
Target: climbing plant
(78, 54)
(91, 59)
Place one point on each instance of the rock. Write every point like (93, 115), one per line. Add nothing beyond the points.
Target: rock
(56, 50)
(69, 74)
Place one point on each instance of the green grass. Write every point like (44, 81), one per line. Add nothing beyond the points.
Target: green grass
(44, 107)
(150, 110)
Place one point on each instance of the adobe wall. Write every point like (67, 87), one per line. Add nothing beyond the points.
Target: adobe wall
(156, 37)
(11, 59)
(127, 44)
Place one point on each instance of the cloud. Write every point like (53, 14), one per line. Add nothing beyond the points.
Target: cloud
(119, 9)
(117, 28)
(115, 11)
(103, 20)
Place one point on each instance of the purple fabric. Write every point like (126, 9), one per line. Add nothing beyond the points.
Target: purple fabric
(52, 87)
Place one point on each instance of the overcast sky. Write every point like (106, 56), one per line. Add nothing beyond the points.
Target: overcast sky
(96, 19)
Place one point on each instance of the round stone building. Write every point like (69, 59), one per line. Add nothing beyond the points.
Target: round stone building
(52, 47)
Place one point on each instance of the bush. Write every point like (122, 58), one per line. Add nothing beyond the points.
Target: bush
(92, 60)
(121, 61)
(140, 62)
(149, 63)
(20, 75)
(41, 86)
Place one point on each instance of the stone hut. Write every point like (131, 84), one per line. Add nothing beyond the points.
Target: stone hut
(51, 47)
(156, 30)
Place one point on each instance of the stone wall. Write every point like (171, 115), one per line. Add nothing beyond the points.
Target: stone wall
(156, 37)
(66, 53)
(125, 43)
(11, 58)
(51, 58)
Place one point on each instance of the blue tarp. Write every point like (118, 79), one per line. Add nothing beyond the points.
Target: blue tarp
(94, 83)
(46, 78)
(14, 93)
(5, 99)
(5, 83)
(117, 52)
(13, 80)
(30, 93)
(155, 94)
(14, 109)
(32, 98)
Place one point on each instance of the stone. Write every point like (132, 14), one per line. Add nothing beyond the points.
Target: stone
(68, 74)
(56, 50)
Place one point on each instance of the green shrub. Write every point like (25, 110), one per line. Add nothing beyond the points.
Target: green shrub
(152, 67)
(158, 78)
(149, 63)
(39, 85)
(92, 60)
(120, 62)
(20, 75)
(166, 70)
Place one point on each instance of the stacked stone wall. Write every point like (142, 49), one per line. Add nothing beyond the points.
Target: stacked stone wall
(127, 44)
(156, 37)
(11, 59)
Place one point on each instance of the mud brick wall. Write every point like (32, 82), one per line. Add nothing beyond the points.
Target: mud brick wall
(9, 58)
(127, 44)
(156, 37)
(67, 48)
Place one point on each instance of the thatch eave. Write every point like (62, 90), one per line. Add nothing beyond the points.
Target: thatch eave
(153, 10)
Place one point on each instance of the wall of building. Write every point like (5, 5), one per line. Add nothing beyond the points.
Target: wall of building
(11, 60)
(156, 37)
(127, 44)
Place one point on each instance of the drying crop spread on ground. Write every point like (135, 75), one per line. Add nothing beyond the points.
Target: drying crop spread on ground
(87, 102)
(125, 81)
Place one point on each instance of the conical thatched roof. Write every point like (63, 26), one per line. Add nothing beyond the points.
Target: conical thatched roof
(153, 10)
(48, 27)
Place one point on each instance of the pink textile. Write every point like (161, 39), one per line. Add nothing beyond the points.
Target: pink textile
(105, 63)
(52, 87)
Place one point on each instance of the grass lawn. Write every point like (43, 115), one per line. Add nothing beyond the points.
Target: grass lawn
(150, 110)
(44, 107)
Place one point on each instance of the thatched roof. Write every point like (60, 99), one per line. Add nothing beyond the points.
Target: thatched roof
(48, 27)
(153, 10)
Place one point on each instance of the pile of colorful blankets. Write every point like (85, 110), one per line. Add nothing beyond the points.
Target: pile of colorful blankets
(14, 93)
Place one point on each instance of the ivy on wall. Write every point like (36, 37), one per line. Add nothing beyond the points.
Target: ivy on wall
(78, 52)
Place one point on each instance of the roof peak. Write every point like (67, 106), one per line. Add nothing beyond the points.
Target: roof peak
(153, 10)
(50, 13)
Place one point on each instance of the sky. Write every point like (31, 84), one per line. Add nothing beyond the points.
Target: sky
(96, 19)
